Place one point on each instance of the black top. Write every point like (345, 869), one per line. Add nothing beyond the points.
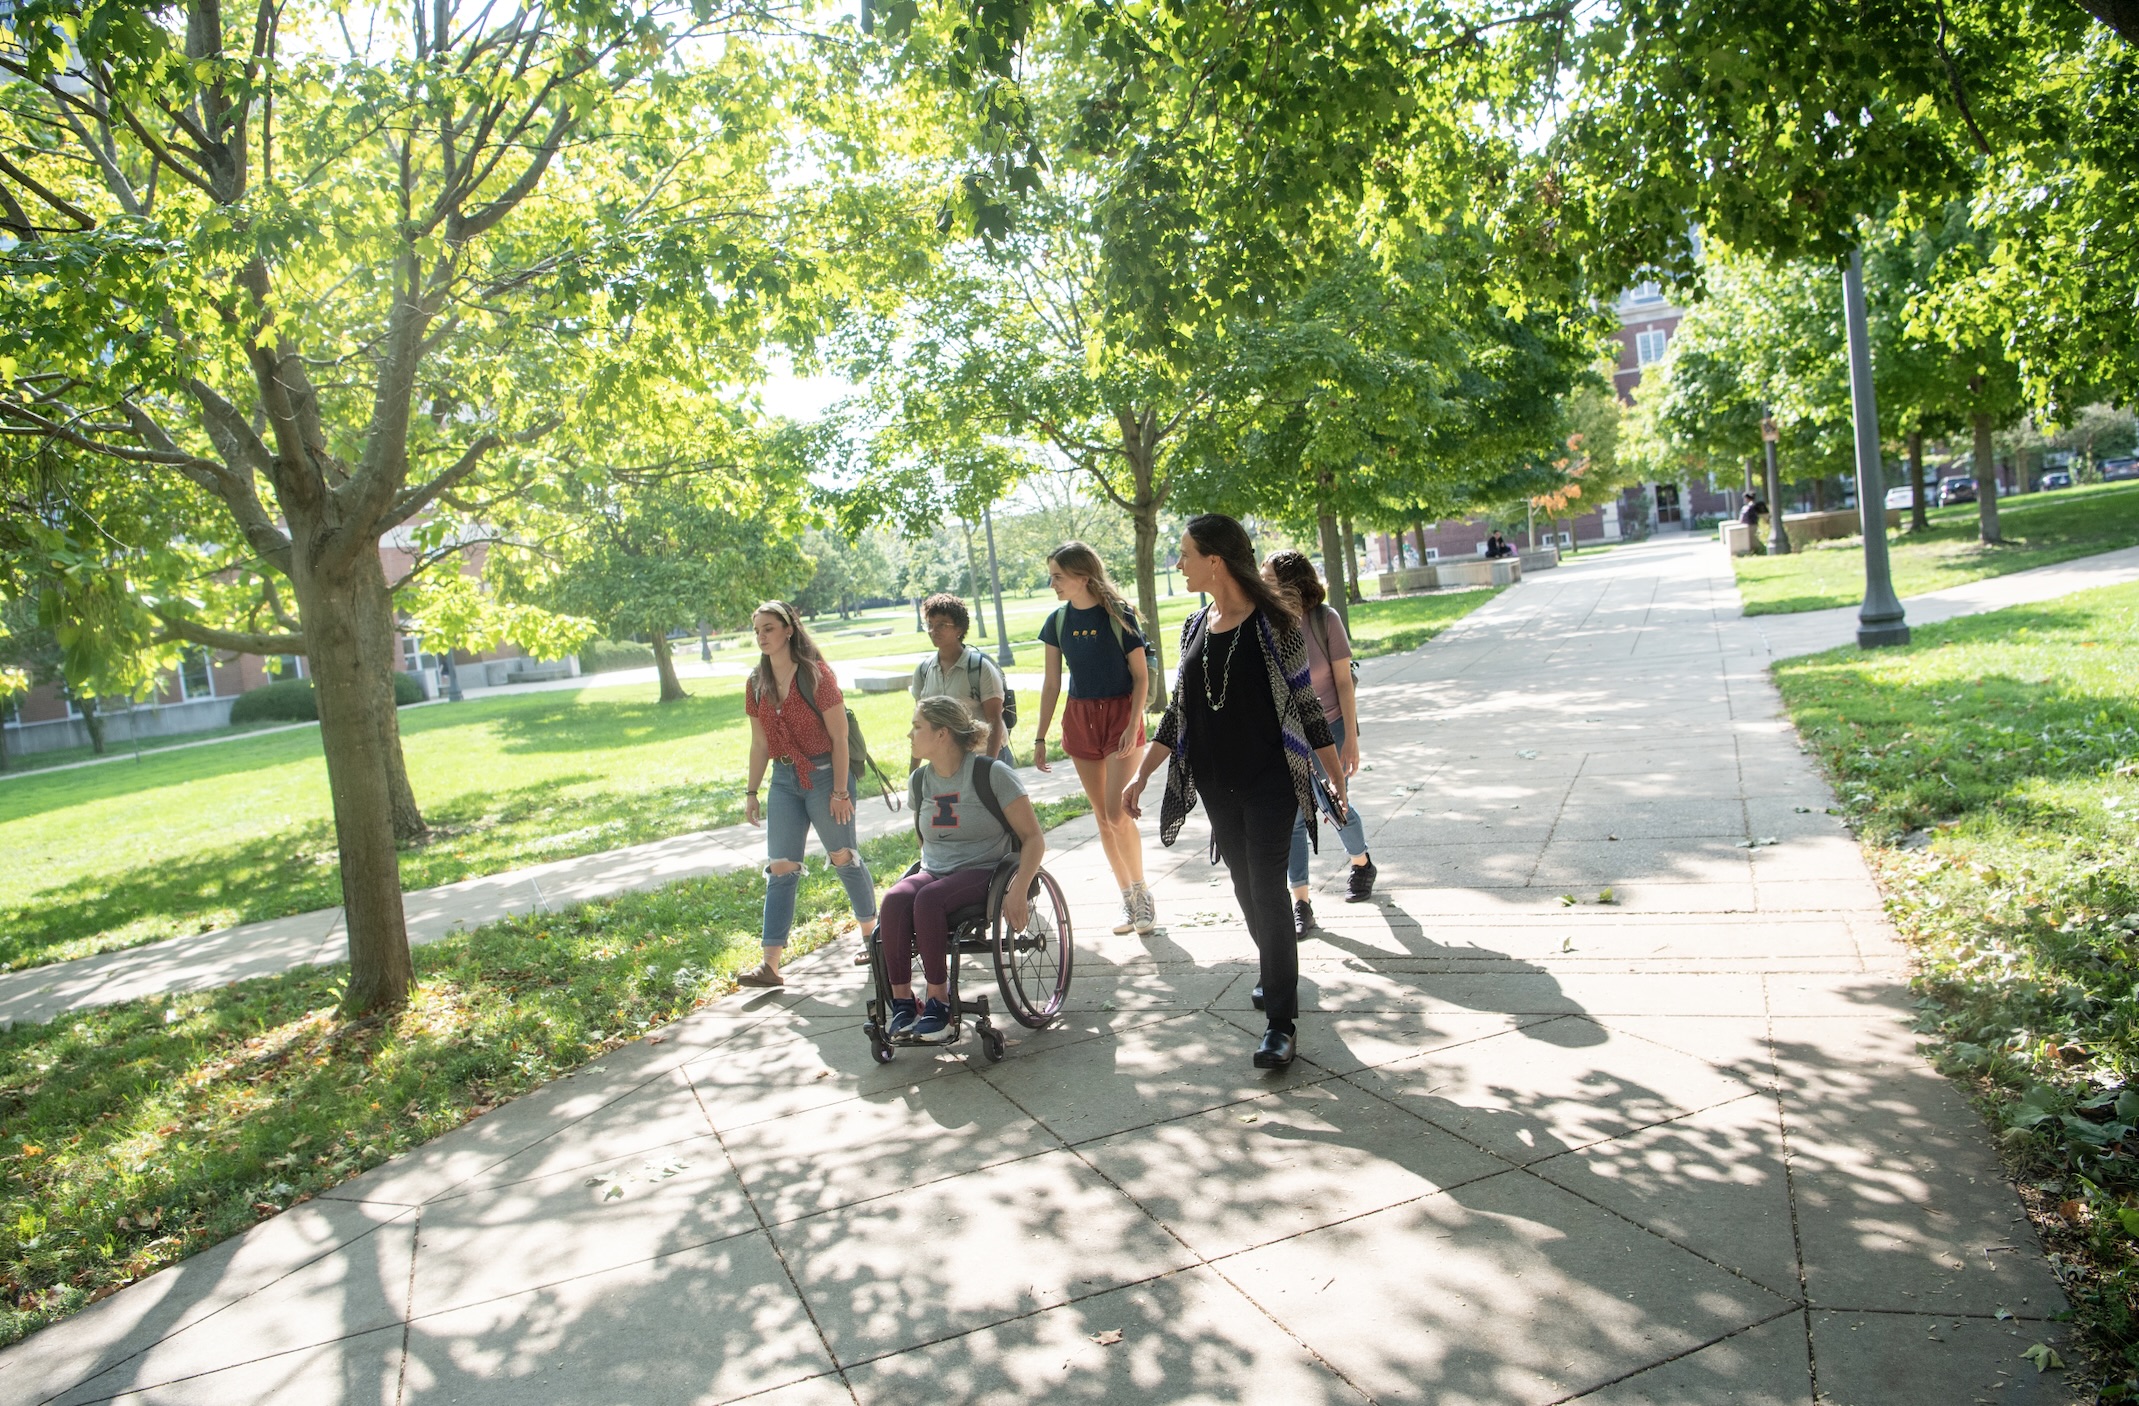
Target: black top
(1238, 745)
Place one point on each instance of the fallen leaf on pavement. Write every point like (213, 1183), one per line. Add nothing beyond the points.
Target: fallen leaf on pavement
(1113, 1335)
(2041, 1354)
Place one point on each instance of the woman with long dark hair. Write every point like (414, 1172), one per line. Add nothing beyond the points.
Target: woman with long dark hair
(1241, 730)
(798, 723)
(1329, 668)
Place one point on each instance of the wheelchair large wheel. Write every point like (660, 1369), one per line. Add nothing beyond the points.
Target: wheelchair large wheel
(1033, 966)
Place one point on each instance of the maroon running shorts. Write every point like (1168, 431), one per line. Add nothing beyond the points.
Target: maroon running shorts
(1092, 727)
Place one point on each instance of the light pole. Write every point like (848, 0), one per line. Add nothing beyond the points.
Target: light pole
(1004, 654)
(1778, 540)
(1881, 621)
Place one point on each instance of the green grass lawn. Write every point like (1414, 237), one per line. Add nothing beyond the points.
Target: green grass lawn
(186, 841)
(2039, 528)
(139, 1134)
(2002, 751)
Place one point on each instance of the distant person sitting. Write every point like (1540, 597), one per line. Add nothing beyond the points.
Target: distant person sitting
(1751, 514)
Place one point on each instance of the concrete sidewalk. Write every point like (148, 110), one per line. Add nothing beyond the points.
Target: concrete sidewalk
(1679, 1149)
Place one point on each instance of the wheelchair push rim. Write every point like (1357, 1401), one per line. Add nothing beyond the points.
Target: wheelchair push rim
(1032, 968)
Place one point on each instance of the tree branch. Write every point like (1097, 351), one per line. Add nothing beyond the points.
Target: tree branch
(236, 641)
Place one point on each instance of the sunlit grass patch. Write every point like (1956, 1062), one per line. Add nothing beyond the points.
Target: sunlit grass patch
(1993, 768)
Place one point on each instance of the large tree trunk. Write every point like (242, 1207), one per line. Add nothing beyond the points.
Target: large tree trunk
(1917, 521)
(1819, 494)
(348, 635)
(1418, 539)
(376, 619)
(1351, 566)
(94, 721)
(1333, 567)
(1147, 583)
(665, 666)
(1986, 471)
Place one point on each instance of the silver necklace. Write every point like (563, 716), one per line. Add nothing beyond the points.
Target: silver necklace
(1225, 673)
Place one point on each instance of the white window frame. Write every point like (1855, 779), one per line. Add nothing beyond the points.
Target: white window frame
(185, 685)
(1649, 345)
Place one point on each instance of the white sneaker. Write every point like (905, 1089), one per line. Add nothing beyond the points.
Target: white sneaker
(1128, 911)
(1147, 909)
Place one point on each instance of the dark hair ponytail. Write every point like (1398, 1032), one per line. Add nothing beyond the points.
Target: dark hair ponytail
(1217, 535)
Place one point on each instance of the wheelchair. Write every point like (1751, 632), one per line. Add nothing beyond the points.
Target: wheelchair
(1032, 967)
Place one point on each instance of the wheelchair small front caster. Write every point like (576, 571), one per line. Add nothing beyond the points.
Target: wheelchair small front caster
(879, 1047)
(991, 1042)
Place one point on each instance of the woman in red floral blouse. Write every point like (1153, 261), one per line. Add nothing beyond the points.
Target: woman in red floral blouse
(807, 746)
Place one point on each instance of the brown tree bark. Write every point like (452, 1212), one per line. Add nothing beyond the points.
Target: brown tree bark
(1917, 521)
(1140, 434)
(1351, 568)
(337, 594)
(1819, 494)
(1986, 472)
(1418, 539)
(1333, 568)
(94, 721)
(665, 666)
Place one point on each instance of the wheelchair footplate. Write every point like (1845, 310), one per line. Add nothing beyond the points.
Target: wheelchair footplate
(884, 1045)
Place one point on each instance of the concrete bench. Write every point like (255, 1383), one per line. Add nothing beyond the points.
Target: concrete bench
(1802, 528)
(883, 683)
(1463, 571)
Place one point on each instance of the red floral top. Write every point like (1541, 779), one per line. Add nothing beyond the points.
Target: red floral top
(792, 732)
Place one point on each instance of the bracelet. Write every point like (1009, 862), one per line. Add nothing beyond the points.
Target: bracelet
(751, 792)
(841, 796)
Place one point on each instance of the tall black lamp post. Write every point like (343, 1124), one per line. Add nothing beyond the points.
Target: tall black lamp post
(1881, 621)
(1778, 540)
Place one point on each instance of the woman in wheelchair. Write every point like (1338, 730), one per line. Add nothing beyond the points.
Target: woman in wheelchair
(971, 811)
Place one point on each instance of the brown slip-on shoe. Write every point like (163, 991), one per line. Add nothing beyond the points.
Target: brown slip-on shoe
(762, 976)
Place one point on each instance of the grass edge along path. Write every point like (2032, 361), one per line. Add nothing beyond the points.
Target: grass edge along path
(140, 1134)
(2041, 529)
(507, 783)
(1992, 770)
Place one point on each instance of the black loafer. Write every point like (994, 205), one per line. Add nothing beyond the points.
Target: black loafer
(1275, 1052)
(1255, 998)
(1362, 882)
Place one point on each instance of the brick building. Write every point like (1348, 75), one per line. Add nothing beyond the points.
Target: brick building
(196, 696)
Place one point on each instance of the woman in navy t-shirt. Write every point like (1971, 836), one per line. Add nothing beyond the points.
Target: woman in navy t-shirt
(1095, 634)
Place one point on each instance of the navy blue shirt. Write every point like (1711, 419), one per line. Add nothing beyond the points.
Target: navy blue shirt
(1098, 664)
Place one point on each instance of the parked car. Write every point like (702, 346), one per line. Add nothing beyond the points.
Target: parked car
(1902, 497)
(2115, 469)
(2056, 479)
(1956, 490)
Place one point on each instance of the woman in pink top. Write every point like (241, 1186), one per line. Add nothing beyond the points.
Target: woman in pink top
(1329, 663)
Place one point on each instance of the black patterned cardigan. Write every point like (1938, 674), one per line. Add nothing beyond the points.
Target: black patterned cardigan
(1299, 716)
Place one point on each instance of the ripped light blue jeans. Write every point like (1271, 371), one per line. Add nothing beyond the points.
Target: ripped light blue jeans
(1353, 831)
(790, 814)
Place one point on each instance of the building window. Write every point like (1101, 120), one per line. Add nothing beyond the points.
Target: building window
(1667, 503)
(286, 666)
(1645, 293)
(195, 678)
(1649, 347)
(411, 653)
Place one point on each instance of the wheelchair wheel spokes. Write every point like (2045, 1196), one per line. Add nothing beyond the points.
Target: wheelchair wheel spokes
(1033, 966)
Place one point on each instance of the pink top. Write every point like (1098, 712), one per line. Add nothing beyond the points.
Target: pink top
(1321, 666)
(792, 732)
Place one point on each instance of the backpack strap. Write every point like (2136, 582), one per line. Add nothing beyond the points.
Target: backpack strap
(984, 787)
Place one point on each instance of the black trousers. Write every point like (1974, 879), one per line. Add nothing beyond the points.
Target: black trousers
(1252, 824)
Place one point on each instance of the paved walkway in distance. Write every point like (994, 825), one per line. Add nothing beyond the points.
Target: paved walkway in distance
(1674, 1150)
(1811, 631)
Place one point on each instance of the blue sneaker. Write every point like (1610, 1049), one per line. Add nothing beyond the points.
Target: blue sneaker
(904, 1011)
(935, 1019)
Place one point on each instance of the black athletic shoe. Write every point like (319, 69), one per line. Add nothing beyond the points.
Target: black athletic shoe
(1362, 882)
(1303, 917)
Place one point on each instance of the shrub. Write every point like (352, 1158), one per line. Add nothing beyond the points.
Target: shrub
(602, 656)
(289, 701)
(292, 701)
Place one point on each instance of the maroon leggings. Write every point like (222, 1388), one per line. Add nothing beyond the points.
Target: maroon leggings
(918, 908)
